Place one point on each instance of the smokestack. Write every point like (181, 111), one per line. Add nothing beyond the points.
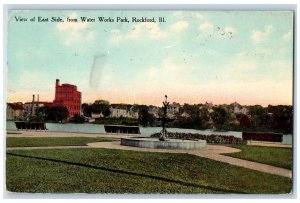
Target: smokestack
(38, 98)
(32, 110)
(57, 82)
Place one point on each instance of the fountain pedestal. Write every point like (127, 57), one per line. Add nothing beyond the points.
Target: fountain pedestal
(169, 144)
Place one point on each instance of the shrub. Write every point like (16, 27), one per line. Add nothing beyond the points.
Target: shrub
(216, 139)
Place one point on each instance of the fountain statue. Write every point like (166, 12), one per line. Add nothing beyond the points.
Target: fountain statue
(164, 133)
(163, 142)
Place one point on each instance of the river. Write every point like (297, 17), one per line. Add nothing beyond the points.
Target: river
(145, 131)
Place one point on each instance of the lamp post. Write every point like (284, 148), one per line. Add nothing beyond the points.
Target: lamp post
(164, 133)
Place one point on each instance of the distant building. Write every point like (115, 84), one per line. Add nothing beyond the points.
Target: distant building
(122, 110)
(96, 115)
(67, 95)
(209, 106)
(154, 110)
(14, 111)
(237, 108)
(174, 108)
(118, 112)
(30, 108)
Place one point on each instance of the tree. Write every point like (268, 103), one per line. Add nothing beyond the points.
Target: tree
(77, 119)
(145, 118)
(58, 113)
(198, 117)
(220, 115)
(244, 120)
(204, 114)
(281, 117)
(259, 117)
(101, 106)
(87, 109)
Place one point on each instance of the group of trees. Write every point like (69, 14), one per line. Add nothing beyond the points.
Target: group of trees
(54, 114)
(221, 117)
(195, 117)
(198, 116)
(99, 106)
(271, 118)
(276, 118)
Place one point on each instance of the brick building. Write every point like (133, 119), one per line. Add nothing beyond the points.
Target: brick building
(14, 111)
(67, 95)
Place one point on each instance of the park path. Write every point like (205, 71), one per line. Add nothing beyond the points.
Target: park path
(213, 152)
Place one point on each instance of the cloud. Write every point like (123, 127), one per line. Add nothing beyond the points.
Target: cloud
(198, 16)
(258, 36)
(212, 31)
(229, 30)
(179, 26)
(178, 13)
(287, 36)
(169, 68)
(258, 52)
(205, 27)
(150, 30)
(168, 46)
(115, 36)
(76, 31)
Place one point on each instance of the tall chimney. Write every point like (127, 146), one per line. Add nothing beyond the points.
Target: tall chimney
(38, 98)
(32, 109)
(57, 82)
(56, 86)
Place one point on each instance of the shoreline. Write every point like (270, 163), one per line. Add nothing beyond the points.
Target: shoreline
(28, 133)
(24, 133)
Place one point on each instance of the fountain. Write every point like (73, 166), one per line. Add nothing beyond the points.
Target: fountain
(164, 133)
(163, 142)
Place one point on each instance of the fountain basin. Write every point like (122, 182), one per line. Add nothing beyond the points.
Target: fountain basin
(169, 144)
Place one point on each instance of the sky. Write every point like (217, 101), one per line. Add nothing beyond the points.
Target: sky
(194, 57)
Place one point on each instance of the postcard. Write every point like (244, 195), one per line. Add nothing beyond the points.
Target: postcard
(149, 102)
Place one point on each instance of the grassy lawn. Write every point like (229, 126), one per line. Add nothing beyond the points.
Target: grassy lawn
(52, 141)
(275, 156)
(118, 171)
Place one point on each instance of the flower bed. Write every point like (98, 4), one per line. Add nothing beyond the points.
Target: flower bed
(216, 139)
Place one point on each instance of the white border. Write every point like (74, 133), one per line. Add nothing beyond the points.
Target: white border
(118, 4)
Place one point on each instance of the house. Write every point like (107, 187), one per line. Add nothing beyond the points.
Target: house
(209, 106)
(154, 110)
(237, 108)
(96, 115)
(30, 108)
(123, 110)
(173, 110)
(14, 111)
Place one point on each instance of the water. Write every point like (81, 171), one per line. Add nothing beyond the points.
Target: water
(145, 131)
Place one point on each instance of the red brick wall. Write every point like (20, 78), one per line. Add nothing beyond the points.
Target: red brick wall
(68, 96)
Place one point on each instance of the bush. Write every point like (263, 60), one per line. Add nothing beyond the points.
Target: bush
(216, 139)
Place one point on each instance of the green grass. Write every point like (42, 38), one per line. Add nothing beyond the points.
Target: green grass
(52, 141)
(120, 171)
(275, 156)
